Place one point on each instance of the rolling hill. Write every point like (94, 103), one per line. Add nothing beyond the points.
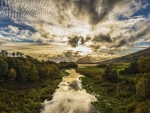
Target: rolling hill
(129, 58)
(84, 60)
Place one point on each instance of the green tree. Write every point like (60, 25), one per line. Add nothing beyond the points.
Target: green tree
(144, 64)
(110, 74)
(55, 70)
(33, 74)
(22, 71)
(142, 85)
(12, 61)
(12, 74)
(3, 68)
(47, 71)
(44, 71)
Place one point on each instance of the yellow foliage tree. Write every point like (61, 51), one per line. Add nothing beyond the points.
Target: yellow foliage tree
(12, 74)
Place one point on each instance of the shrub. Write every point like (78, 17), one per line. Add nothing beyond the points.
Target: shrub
(3, 67)
(12, 74)
(110, 74)
(142, 85)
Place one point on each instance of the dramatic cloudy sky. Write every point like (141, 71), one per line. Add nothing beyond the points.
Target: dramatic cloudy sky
(68, 29)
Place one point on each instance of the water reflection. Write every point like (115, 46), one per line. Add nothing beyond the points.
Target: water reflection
(70, 97)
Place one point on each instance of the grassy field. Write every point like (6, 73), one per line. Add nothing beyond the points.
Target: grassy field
(121, 66)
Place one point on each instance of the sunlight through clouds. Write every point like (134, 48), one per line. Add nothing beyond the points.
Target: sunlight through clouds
(82, 25)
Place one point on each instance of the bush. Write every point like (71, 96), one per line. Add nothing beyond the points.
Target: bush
(131, 108)
(3, 67)
(3, 70)
(12, 74)
(110, 74)
(101, 65)
(132, 69)
(144, 64)
(142, 85)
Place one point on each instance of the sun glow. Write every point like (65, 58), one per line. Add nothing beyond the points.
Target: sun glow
(84, 50)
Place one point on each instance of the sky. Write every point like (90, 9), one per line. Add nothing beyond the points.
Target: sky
(70, 29)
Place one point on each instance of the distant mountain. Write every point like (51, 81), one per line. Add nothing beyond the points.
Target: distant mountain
(129, 58)
(84, 60)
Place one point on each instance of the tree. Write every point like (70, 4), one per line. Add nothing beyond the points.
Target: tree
(12, 63)
(22, 71)
(14, 54)
(21, 55)
(110, 74)
(142, 85)
(132, 69)
(6, 53)
(101, 65)
(55, 70)
(33, 74)
(144, 64)
(12, 74)
(18, 54)
(3, 67)
(44, 71)
(3, 52)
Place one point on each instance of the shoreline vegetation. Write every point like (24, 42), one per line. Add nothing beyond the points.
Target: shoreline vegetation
(26, 82)
(119, 88)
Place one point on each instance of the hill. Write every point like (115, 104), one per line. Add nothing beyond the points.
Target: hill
(84, 60)
(129, 58)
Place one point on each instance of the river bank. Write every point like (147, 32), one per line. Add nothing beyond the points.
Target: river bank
(26, 98)
(117, 97)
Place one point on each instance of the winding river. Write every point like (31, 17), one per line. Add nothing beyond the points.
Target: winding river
(70, 97)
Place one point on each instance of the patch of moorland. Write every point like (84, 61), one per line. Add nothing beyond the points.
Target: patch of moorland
(127, 93)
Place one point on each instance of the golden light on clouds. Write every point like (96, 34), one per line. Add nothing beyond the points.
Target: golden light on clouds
(73, 28)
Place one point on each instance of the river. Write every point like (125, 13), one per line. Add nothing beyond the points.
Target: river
(70, 97)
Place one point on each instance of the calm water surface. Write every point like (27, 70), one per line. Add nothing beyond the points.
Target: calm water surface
(70, 97)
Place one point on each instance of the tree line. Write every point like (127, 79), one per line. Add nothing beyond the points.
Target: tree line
(141, 71)
(26, 69)
(29, 69)
(5, 53)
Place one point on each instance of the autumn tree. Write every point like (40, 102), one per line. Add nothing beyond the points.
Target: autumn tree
(12, 74)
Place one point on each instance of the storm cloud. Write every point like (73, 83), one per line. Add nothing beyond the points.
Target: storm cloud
(73, 41)
(102, 38)
(68, 54)
(97, 10)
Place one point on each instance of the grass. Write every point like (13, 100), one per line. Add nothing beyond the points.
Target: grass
(121, 66)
